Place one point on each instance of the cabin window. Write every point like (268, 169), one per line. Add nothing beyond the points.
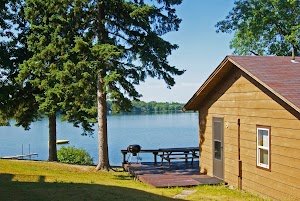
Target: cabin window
(263, 147)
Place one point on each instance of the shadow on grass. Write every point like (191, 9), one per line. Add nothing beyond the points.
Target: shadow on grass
(40, 190)
(123, 177)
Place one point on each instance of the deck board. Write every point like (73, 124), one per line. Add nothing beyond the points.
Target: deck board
(181, 174)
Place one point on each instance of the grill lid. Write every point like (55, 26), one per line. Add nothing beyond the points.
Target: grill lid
(134, 148)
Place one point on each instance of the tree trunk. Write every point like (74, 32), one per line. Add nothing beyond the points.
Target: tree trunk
(103, 163)
(52, 138)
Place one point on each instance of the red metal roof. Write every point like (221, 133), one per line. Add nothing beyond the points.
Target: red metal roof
(277, 73)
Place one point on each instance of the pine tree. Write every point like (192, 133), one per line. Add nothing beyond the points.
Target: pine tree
(95, 51)
(16, 101)
(50, 72)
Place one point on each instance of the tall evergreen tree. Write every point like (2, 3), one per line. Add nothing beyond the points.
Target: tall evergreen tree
(99, 50)
(16, 101)
(50, 72)
(261, 27)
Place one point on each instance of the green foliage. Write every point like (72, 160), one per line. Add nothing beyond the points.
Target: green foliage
(122, 45)
(74, 155)
(141, 106)
(87, 51)
(152, 107)
(270, 27)
(16, 101)
(56, 69)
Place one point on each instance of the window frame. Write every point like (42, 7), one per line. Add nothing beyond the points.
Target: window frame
(258, 148)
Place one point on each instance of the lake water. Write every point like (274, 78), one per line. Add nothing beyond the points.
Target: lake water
(150, 131)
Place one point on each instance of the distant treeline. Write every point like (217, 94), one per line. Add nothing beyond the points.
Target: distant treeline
(146, 107)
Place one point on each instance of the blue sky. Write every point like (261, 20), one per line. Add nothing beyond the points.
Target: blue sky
(200, 51)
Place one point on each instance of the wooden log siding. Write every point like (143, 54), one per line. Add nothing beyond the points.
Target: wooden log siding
(244, 100)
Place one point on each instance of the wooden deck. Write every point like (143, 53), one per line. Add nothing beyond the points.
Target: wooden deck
(181, 174)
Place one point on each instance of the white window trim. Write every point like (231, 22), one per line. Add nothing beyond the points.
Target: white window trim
(262, 147)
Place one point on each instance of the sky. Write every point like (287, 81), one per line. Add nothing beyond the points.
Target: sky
(200, 50)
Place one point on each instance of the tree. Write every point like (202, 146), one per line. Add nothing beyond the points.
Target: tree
(106, 47)
(16, 101)
(22, 101)
(128, 47)
(123, 45)
(49, 70)
(261, 27)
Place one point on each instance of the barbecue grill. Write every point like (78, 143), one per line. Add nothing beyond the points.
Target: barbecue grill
(134, 150)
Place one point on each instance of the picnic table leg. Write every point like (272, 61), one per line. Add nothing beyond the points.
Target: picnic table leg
(124, 157)
(155, 157)
(162, 158)
(186, 155)
(169, 160)
(194, 155)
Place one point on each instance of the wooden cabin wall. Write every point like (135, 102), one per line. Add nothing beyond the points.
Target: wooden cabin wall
(242, 98)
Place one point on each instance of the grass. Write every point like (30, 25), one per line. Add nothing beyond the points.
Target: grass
(32, 180)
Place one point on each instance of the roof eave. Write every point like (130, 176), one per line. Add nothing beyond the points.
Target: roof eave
(191, 105)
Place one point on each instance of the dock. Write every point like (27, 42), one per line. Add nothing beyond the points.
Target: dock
(20, 156)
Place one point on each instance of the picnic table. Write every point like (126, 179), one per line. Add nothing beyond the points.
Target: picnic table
(185, 153)
(168, 154)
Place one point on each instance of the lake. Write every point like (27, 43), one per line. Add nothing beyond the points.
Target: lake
(150, 131)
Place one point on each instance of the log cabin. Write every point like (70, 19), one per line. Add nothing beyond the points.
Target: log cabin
(249, 124)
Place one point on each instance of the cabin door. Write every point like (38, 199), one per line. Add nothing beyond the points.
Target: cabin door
(218, 156)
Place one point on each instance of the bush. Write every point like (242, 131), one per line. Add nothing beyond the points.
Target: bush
(73, 155)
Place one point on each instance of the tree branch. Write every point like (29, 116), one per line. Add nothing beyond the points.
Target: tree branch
(256, 54)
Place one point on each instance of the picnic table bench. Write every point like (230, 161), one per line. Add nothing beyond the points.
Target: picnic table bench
(185, 153)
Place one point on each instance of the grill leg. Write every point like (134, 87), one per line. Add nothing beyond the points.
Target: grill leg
(129, 158)
(131, 155)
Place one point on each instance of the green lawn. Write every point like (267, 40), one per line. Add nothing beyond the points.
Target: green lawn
(30, 180)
